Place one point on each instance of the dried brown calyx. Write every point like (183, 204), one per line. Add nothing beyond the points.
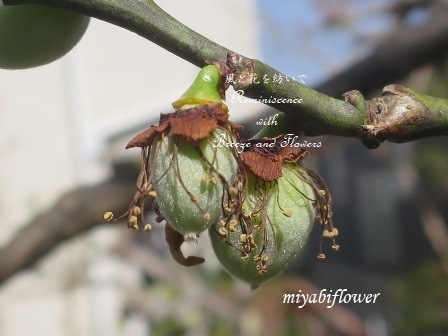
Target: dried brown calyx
(192, 124)
(265, 157)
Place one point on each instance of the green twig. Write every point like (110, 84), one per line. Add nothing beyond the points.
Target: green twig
(146, 19)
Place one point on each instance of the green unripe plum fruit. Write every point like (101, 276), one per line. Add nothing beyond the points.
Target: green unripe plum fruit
(189, 194)
(34, 35)
(285, 216)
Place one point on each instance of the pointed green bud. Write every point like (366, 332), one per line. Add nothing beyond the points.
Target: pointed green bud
(204, 90)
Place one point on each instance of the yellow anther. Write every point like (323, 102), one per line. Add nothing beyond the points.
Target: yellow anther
(223, 232)
(233, 191)
(287, 213)
(133, 220)
(137, 211)
(108, 216)
(330, 233)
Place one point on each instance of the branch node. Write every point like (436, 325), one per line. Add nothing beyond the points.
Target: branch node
(398, 116)
(243, 69)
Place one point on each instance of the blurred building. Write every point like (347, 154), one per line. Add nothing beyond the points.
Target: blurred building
(57, 129)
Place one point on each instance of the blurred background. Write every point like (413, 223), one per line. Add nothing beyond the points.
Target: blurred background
(63, 128)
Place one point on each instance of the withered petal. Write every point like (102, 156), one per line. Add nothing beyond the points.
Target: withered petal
(175, 240)
(266, 167)
(145, 138)
(293, 154)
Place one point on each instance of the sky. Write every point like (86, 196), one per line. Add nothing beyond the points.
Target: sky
(295, 39)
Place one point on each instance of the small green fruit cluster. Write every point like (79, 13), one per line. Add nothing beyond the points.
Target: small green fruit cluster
(258, 206)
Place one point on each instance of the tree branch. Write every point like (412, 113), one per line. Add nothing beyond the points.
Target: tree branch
(146, 19)
(316, 113)
(399, 115)
(311, 112)
(76, 212)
